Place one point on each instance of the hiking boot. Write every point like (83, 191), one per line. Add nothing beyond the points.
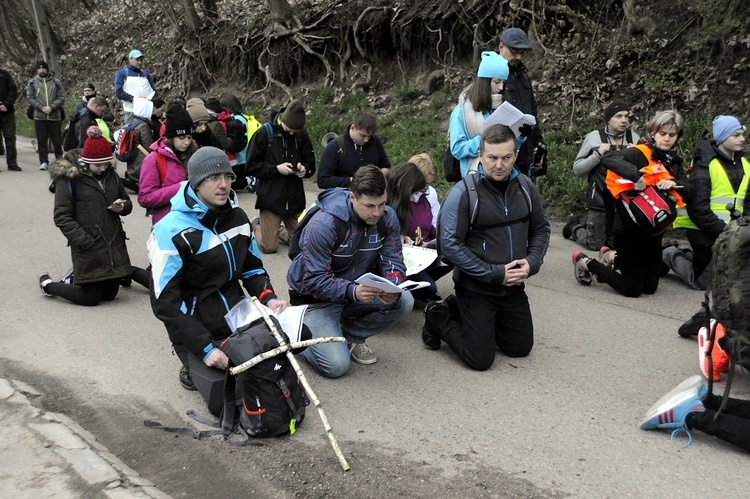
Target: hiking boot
(430, 335)
(692, 326)
(44, 166)
(570, 227)
(671, 410)
(67, 278)
(186, 381)
(361, 354)
(607, 256)
(580, 270)
(44, 280)
(14, 168)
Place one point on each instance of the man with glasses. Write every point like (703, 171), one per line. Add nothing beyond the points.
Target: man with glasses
(280, 155)
(199, 253)
(532, 154)
(356, 147)
(133, 82)
(352, 233)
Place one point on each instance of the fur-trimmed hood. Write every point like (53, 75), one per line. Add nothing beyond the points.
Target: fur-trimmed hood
(66, 168)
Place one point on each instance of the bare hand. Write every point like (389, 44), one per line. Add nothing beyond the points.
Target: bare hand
(285, 168)
(516, 272)
(406, 239)
(665, 185)
(300, 171)
(277, 305)
(117, 206)
(640, 184)
(3, 108)
(366, 294)
(46, 110)
(389, 298)
(604, 148)
(217, 359)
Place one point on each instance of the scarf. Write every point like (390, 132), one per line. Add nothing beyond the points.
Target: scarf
(474, 122)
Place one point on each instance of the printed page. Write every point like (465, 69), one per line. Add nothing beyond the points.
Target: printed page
(417, 258)
(376, 281)
(508, 114)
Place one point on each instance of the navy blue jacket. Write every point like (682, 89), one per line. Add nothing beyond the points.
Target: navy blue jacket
(337, 167)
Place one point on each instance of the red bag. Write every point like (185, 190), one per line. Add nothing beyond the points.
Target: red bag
(650, 210)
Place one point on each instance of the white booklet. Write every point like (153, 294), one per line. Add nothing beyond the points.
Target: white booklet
(417, 258)
(245, 312)
(376, 281)
(508, 114)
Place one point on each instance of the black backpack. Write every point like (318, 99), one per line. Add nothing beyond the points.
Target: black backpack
(294, 248)
(273, 400)
(236, 133)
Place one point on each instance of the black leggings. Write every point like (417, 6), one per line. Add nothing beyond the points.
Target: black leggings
(639, 262)
(732, 425)
(88, 295)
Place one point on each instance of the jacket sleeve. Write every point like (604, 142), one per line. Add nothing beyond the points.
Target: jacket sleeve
(307, 154)
(59, 96)
(588, 156)
(391, 260)
(316, 276)
(461, 145)
(10, 100)
(699, 203)
(626, 162)
(257, 164)
(539, 231)
(383, 161)
(167, 301)
(254, 277)
(220, 135)
(65, 216)
(329, 165)
(454, 229)
(119, 83)
(151, 194)
(32, 97)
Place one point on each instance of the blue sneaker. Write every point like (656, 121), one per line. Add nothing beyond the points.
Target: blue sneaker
(671, 410)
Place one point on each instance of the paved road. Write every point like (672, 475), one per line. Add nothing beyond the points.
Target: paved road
(563, 421)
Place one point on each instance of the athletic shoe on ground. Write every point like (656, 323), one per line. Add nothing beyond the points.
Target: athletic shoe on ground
(692, 326)
(361, 354)
(580, 270)
(568, 228)
(14, 168)
(67, 278)
(431, 336)
(254, 223)
(607, 256)
(44, 279)
(670, 411)
(44, 167)
(185, 380)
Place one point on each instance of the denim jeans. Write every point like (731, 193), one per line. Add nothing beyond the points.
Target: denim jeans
(356, 322)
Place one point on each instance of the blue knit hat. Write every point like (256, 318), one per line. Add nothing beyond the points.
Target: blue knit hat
(493, 66)
(724, 126)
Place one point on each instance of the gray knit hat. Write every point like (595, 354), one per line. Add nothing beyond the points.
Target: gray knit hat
(205, 162)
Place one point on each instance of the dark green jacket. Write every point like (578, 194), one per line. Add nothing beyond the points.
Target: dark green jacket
(94, 233)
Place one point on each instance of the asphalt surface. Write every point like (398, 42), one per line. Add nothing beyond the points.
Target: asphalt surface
(563, 421)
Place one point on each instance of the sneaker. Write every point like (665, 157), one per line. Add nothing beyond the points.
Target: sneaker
(569, 225)
(670, 411)
(67, 278)
(431, 336)
(607, 256)
(44, 280)
(254, 223)
(580, 270)
(15, 168)
(44, 167)
(186, 381)
(362, 354)
(692, 326)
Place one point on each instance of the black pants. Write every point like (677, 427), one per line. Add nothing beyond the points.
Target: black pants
(88, 295)
(639, 262)
(8, 129)
(48, 130)
(485, 323)
(732, 425)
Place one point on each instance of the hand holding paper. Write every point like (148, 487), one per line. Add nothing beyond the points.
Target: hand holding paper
(510, 115)
(384, 284)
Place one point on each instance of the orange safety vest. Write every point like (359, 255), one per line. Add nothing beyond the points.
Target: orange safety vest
(652, 174)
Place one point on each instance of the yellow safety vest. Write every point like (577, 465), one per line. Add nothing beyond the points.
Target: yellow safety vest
(721, 195)
(105, 129)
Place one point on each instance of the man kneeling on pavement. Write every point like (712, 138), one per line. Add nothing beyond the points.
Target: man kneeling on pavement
(495, 243)
(323, 273)
(199, 252)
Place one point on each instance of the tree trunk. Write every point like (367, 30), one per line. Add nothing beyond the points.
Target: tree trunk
(194, 21)
(281, 13)
(210, 9)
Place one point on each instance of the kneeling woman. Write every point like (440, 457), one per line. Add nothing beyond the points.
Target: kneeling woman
(651, 163)
(89, 200)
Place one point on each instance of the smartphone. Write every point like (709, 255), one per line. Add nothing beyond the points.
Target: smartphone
(115, 203)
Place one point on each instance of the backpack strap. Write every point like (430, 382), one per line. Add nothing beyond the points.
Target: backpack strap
(470, 181)
(161, 166)
(288, 397)
(269, 133)
(629, 136)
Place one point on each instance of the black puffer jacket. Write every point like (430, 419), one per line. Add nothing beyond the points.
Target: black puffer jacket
(95, 234)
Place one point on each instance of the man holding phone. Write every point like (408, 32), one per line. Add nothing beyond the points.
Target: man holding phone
(495, 243)
(280, 155)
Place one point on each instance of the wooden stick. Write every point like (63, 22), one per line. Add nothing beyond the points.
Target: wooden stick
(276, 351)
(303, 380)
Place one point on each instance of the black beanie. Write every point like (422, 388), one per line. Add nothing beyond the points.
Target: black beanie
(179, 123)
(41, 64)
(294, 115)
(613, 109)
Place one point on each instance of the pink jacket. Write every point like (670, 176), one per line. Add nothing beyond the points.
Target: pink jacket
(154, 194)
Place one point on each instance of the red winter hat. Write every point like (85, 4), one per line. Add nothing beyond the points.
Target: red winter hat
(96, 149)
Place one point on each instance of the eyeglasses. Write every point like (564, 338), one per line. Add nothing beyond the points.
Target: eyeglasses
(215, 179)
(518, 51)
